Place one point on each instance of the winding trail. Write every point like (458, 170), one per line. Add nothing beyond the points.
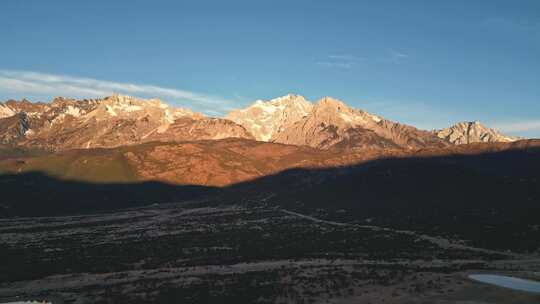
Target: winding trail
(439, 241)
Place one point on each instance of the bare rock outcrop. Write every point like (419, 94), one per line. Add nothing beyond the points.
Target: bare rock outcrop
(472, 132)
(114, 121)
(265, 119)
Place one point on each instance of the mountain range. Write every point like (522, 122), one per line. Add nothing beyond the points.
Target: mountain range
(120, 120)
(324, 158)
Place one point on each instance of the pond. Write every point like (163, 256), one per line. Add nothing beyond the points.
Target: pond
(507, 282)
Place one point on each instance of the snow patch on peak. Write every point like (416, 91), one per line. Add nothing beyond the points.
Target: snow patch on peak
(29, 132)
(6, 111)
(266, 107)
(346, 117)
(266, 118)
(375, 118)
(73, 111)
(110, 110)
(169, 117)
(157, 103)
(333, 102)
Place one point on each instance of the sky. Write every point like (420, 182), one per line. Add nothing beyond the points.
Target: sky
(426, 63)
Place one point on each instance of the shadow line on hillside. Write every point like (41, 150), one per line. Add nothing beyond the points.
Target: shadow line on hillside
(382, 185)
(38, 194)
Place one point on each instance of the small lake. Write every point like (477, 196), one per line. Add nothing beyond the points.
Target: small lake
(507, 282)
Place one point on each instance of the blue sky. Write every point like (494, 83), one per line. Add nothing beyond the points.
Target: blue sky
(426, 63)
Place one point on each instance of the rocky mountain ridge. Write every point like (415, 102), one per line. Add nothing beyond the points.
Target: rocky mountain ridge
(333, 123)
(330, 123)
(471, 132)
(114, 121)
(265, 119)
(120, 120)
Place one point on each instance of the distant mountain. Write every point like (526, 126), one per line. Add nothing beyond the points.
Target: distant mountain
(328, 123)
(110, 122)
(14, 128)
(265, 119)
(472, 132)
(121, 120)
(6, 111)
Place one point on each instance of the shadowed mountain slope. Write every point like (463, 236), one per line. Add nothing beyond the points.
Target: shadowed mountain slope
(37, 194)
(486, 193)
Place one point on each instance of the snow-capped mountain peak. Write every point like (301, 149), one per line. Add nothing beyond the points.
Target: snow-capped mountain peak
(293, 120)
(335, 109)
(6, 111)
(264, 119)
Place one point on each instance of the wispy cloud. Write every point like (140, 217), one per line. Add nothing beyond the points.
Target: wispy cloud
(330, 64)
(42, 84)
(348, 61)
(519, 126)
(340, 61)
(346, 57)
(397, 57)
(392, 56)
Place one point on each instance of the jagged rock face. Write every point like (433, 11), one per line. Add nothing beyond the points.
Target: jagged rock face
(6, 111)
(265, 119)
(122, 120)
(326, 124)
(110, 122)
(331, 123)
(13, 128)
(292, 119)
(13, 107)
(187, 128)
(408, 136)
(472, 132)
(359, 138)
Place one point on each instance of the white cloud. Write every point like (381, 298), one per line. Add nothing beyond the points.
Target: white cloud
(340, 61)
(347, 57)
(392, 56)
(329, 64)
(519, 126)
(397, 57)
(397, 54)
(42, 84)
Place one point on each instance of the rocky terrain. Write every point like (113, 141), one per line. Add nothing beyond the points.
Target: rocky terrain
(209, 163)
(266, 119)
(472, 132)
(214, 162)
(122, 200)
(110, 122)
(191, 252)
(121, 120)
(330, 123)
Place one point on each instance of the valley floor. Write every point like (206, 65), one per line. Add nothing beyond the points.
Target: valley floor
(197, 252)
